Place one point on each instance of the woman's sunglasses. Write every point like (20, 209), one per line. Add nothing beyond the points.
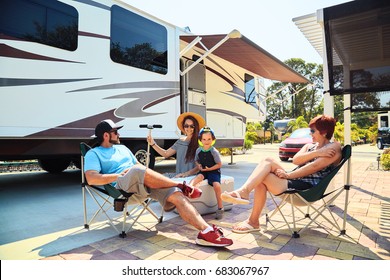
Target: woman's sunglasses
(189, 126)
(312, 131)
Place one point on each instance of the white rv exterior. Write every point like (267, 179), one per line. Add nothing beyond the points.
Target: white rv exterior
(53, 93)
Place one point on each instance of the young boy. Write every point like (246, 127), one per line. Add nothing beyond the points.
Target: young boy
(209, 161)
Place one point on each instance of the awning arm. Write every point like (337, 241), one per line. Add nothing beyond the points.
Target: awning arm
(233, 34)
(296, 92)
(274, 93)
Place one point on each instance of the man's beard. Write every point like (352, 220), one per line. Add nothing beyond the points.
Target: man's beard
(117, 141)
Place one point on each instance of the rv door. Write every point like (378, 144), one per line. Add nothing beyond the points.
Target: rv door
(194, 89)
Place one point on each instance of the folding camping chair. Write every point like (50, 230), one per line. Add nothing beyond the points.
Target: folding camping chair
(107, 196)
(310, 197)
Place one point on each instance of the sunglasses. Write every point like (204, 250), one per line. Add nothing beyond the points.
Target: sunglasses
(189, 126)
(114, 131)
(312, 131)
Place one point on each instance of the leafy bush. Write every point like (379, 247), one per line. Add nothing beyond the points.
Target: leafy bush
(385, 159)
(250, 126)
(251, 136)
(357, 134)
(339, 133)
(224, 151)
(248, 144)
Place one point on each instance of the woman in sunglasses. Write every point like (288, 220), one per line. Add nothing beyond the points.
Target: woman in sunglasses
(185, 147)
(314, 160)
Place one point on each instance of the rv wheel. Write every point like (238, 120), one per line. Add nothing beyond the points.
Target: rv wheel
(54, 165)
(140, 152)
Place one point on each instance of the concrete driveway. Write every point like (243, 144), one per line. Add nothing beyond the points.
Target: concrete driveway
(42, 214)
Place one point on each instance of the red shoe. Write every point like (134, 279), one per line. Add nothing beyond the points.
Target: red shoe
(190, 191)
(213, 238)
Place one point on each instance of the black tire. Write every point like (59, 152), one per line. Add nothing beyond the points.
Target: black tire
(140, 152)
(54, 165)
(380, 145)
(284, 158)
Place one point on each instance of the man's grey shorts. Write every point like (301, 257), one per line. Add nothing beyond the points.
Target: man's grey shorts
(133, 182)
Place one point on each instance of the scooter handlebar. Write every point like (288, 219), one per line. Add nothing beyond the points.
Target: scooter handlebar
(150, 126)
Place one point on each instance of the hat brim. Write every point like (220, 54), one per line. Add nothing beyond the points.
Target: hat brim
(197, 117)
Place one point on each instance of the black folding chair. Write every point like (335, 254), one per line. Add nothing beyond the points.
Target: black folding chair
(107, 197)
(309, 198)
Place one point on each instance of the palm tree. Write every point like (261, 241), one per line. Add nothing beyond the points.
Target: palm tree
(297, 123)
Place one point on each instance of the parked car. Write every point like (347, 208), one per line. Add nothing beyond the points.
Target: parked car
(289, 147)
(383, 138)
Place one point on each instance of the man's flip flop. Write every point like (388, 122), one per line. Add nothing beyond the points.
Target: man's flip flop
(245, 228)
(235, 200)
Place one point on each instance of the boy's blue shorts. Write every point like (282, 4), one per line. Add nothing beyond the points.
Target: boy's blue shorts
(211, 177)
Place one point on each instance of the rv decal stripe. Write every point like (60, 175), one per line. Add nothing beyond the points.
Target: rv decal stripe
(144, 100)
(93, 35)
(147, 84)
(8, 51)
(241, 98)
(80, 128)
(94, 3)
(161, 100)
(8, 82)
(230, 113)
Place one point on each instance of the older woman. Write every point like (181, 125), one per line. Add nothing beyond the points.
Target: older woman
(185, 147)
(314, 161)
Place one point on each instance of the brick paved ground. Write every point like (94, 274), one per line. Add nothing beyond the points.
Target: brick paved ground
(368, 231)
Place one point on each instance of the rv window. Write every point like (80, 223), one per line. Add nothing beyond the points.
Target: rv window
(250, 91)
(137, 41)
(50, 23)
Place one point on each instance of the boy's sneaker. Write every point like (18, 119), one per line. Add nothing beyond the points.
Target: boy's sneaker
(219, 213)
(213, 238)
(190, 191)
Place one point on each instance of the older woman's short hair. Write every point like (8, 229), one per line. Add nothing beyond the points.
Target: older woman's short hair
(324, 124)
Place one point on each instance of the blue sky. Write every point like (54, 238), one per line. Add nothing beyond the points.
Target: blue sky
(267, 23)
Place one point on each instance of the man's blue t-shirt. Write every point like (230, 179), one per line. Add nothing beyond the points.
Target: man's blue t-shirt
(111, 160)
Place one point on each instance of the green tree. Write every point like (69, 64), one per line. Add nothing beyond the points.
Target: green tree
(298, 123)
(307, 103)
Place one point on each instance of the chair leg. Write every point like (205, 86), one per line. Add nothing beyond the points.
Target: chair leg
(101, 207)
(343, 230)
(295, 234)
(278, 208)
(86, 225)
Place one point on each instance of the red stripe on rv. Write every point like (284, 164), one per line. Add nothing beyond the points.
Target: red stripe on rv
(87, 34)
(8, 51)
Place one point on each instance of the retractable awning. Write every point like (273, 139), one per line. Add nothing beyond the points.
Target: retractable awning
(246, 54)
(357, 44)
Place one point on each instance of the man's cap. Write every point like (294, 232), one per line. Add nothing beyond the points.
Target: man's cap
(106, 126)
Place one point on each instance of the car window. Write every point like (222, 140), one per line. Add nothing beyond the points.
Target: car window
(301, 133)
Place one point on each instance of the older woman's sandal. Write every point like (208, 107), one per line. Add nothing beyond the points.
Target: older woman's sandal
(244, 227)
(227, 197)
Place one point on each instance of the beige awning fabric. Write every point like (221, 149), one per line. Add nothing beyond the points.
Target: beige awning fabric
(246, 54)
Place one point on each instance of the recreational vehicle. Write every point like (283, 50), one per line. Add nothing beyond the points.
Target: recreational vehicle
(66, 65)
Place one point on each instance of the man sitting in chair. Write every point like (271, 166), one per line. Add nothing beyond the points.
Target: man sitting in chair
(314, 160)
(112, 163)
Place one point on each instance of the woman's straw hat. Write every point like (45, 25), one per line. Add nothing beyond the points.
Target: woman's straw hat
(198, 118)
